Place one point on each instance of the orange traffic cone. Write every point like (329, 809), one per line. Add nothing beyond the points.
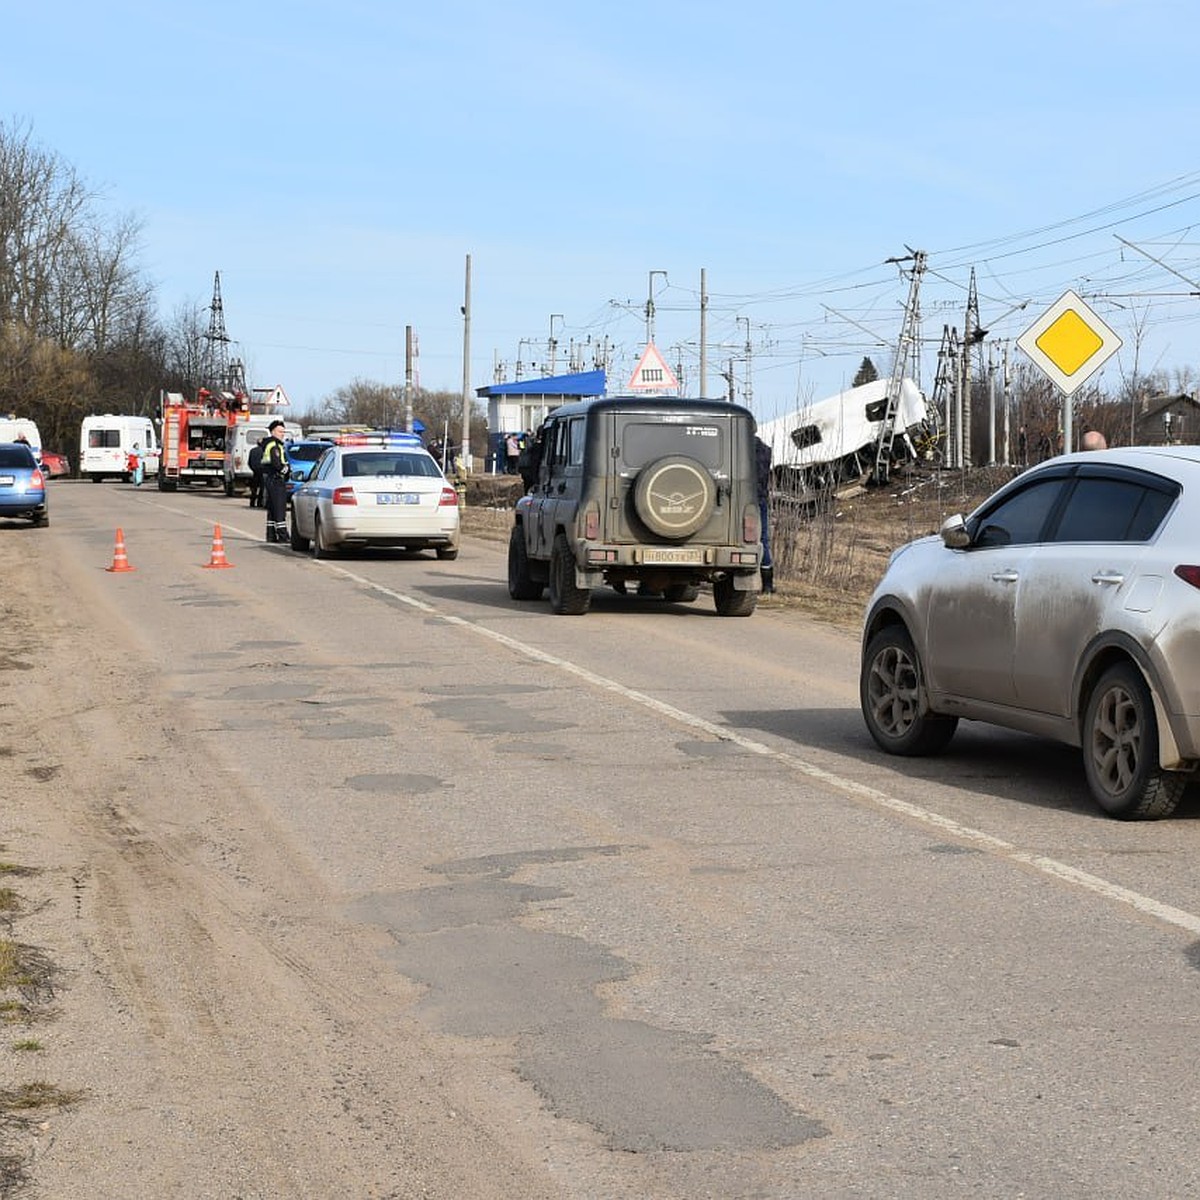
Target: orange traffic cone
(120, 562)
(217, 558)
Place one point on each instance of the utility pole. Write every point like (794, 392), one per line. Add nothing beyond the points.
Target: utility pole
(1006, 400)
(553, 346)
(906, 349)
(972, 336)
(408, 378)
(991, 381)
(703, 333)
(748, 393)
(466, 386)
(650, 307)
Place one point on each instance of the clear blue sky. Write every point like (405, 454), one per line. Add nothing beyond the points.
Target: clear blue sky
(338, 162)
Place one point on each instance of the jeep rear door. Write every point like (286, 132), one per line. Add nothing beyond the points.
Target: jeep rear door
(557, 504)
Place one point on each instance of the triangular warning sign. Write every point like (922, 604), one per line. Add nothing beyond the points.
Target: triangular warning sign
(652, 373)
(272, 397)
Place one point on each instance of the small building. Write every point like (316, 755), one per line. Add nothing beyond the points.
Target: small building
(1168, 420)
(524, 404)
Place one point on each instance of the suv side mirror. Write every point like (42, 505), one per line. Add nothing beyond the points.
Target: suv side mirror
(954, 532)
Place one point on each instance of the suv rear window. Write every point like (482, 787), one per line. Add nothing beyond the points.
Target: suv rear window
(1113, 510)
(643, 442)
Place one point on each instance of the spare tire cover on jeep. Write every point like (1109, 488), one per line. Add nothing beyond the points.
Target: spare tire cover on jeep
(674, 496)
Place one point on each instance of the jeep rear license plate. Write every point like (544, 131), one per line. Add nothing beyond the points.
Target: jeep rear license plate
(676, 556)
(397, 498)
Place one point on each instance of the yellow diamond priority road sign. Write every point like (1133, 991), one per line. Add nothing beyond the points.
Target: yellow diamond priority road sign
(1069, 342)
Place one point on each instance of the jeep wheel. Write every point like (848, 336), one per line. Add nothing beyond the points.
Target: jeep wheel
(521, 585)
(729, 601)
(674, 496)
(566, 596)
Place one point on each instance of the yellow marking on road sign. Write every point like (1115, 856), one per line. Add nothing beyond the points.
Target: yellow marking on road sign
(1069, 342)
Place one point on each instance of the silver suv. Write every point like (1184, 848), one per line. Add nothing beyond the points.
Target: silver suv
(657, 493)
(1068, 606)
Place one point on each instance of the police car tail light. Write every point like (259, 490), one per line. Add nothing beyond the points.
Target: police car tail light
(449, 496)
(37, 479)
(344, 495)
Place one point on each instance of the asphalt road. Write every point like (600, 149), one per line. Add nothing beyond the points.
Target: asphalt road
(426, 892)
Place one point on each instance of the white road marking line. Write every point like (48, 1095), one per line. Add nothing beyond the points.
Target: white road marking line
(946, 825)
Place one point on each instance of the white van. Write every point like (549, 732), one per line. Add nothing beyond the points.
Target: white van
(12, 428)
(241, 438)
(106, 442)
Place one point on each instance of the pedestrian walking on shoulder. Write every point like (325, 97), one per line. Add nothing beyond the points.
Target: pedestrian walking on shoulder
(762, 465)
(275, 471)
(254, 462)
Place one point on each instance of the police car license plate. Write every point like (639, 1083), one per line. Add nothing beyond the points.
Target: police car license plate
(397, 498)
(7, 480)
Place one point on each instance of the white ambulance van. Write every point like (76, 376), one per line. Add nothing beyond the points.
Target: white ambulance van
(12, 428)
(106, 442)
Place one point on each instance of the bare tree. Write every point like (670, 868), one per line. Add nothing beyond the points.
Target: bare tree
(42, 203)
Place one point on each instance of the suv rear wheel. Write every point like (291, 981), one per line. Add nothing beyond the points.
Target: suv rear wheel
(1120, 749)
(729, 601)
(566, 596)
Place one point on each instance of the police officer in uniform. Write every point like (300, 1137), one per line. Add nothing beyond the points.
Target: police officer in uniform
(275, 471)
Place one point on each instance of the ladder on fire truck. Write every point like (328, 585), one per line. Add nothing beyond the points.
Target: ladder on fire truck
(906, 352)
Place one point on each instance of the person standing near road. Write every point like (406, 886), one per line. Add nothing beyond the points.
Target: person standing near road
(1093, 439)
(275, 471)
(254, 462)
(762, 467)
(134, 463)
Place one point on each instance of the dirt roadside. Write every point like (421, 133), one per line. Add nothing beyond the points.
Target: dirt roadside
(175, 977)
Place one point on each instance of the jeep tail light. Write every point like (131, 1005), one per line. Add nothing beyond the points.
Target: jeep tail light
(591, 524)
(751, 529)
(1189, 574)
(449, 498)
(344, 495)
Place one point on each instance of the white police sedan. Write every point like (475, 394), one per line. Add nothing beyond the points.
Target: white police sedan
(376, 490)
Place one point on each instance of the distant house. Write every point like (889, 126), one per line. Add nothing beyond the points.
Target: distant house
(1168, 420)
(523, 405)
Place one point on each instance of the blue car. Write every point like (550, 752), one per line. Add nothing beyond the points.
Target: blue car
(22, 484)
(302, 457)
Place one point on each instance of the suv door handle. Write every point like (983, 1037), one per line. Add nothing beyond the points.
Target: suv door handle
(1005, 576)
(1108, 577)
